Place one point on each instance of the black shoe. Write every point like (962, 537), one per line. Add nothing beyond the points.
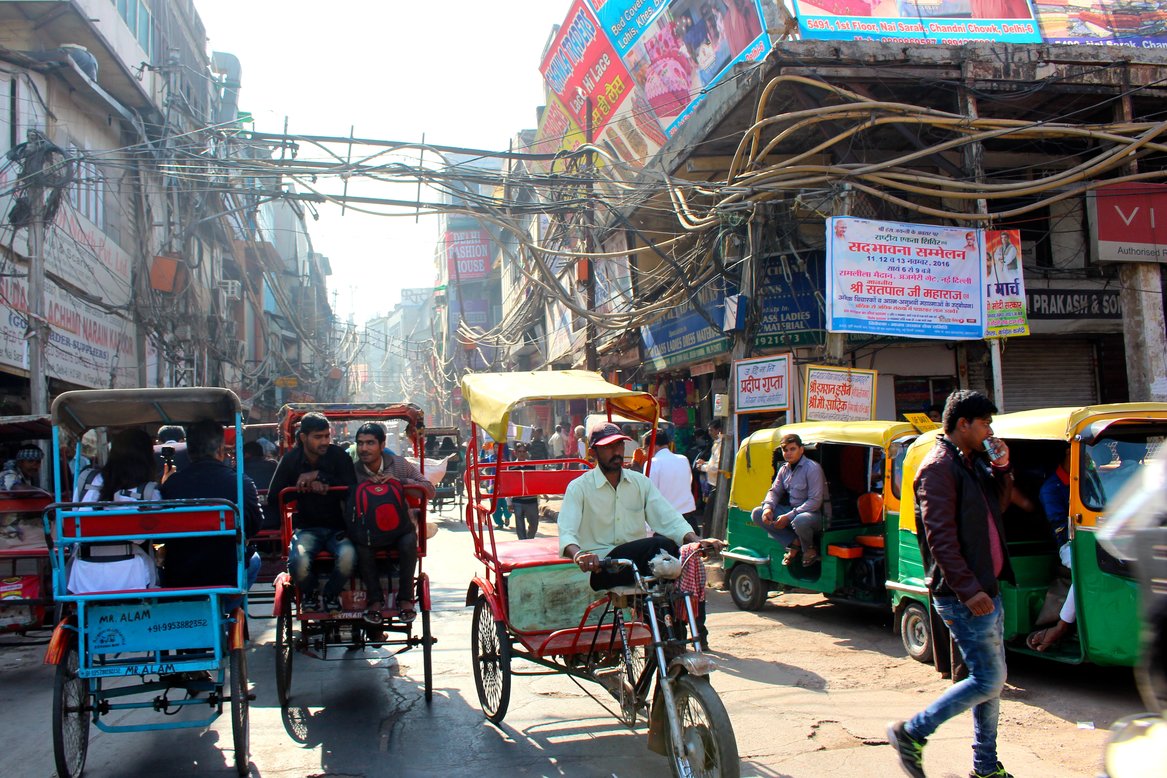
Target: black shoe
(999, 772)
(909, 750)
(333, 606)
(373, 616)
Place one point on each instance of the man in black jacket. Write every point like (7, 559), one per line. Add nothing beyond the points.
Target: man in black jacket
(313, 466)
(961, 490)
(208, 561)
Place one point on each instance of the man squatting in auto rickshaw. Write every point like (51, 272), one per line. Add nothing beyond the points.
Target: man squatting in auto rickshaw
(604, 514)
(313, 465)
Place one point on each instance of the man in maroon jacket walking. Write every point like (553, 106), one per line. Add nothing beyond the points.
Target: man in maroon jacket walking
(961, 492)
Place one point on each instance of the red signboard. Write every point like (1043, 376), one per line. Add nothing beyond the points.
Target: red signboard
(1130, 222)
(584, 71)
(468, 254)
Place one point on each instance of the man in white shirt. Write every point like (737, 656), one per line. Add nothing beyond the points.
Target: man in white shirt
(555, 443)
(712, 469)
(671, 474)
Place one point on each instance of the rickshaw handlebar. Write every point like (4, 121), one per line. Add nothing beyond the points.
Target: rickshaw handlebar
(611, 565)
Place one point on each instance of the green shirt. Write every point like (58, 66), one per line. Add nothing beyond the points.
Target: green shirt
(597, 517)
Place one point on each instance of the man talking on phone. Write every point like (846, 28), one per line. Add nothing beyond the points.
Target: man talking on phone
(961, 490)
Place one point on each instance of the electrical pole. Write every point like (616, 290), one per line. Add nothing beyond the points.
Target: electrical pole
(37, 328)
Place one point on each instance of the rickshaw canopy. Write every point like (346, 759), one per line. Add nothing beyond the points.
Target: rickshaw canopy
(86, 409)
(291, 413)
(492, 396)
(14, 428)
(1065, 423)
(753, 473)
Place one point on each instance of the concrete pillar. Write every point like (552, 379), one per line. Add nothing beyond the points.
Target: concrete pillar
(1144, 331)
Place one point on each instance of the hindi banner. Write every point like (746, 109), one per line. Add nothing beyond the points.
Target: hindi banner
(905, 280)
(762, 384)
(1004, 284)
(839, 394)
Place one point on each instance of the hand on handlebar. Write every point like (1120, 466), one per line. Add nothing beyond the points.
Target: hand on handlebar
(588, 562)
(712, 544)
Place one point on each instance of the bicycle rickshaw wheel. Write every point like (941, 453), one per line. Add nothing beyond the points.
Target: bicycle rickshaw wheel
(706, 730)
(631, 668)
(240, 711)
(285, 650)
(491, 649)
(70, 719)
(427, 654)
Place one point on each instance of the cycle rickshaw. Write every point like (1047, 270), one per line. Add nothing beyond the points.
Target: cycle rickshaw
(530, 603)
(117, 652)
(320, 634)
(25, 598)
(450, 489)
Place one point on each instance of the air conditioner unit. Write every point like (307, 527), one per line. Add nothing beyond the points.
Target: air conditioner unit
(232, 289)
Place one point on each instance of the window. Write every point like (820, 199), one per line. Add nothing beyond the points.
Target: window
(140, 21)
(87, 195)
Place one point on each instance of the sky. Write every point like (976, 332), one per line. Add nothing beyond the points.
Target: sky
(461, 72)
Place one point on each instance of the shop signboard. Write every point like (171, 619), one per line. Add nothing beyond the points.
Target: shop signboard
(676, 49)
(86, 347)
(791, 311)
(908, 280)
(1004, 284)
(1125, 220)
(919, 22)
(584, 71)
(685, 335)
(468, 254)
(839, 394)
(1131, 23)
(557, 132)
(762, 384)
(1074, 304)
(474, 311)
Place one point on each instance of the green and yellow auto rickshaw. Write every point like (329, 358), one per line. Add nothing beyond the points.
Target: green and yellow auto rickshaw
(1108, 446)
(862, 463)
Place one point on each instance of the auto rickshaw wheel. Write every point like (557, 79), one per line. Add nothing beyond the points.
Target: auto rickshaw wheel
(285, 649)
(70, 718)
(240, 711)
(745, 587)
(491, 649)
(916, 631)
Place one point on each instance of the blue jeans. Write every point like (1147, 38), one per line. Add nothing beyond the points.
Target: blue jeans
(306, 544)
(803, 526)
(982, 644)
(250, 573)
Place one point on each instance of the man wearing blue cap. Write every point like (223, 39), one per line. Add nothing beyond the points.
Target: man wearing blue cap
(605, 510)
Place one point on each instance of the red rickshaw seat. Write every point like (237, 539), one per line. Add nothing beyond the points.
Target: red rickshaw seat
(528, 553)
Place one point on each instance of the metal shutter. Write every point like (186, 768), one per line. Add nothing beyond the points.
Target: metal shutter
(1049, 372)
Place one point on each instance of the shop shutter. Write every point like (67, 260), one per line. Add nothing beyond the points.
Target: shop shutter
(1049, 372)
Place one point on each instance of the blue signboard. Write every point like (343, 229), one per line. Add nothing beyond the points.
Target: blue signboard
(150, 626)
(790, 302)
(685, 335)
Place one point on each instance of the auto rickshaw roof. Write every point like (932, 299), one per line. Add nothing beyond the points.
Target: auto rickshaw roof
(35, 427)
(1064, 423)
(492, 396)
(86, 409)
(861, 433)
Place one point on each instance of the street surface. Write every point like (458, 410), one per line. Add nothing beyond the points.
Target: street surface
(810, 687)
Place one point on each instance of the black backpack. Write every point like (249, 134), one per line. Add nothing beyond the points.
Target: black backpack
(377, 514)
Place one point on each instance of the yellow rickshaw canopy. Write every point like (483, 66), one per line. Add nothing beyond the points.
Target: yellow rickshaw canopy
(753, 474)
(1065, 423)
(492, 396)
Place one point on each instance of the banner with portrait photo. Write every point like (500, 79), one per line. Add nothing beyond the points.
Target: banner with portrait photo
(944, 22)
(906, 280)
(1004, 284)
